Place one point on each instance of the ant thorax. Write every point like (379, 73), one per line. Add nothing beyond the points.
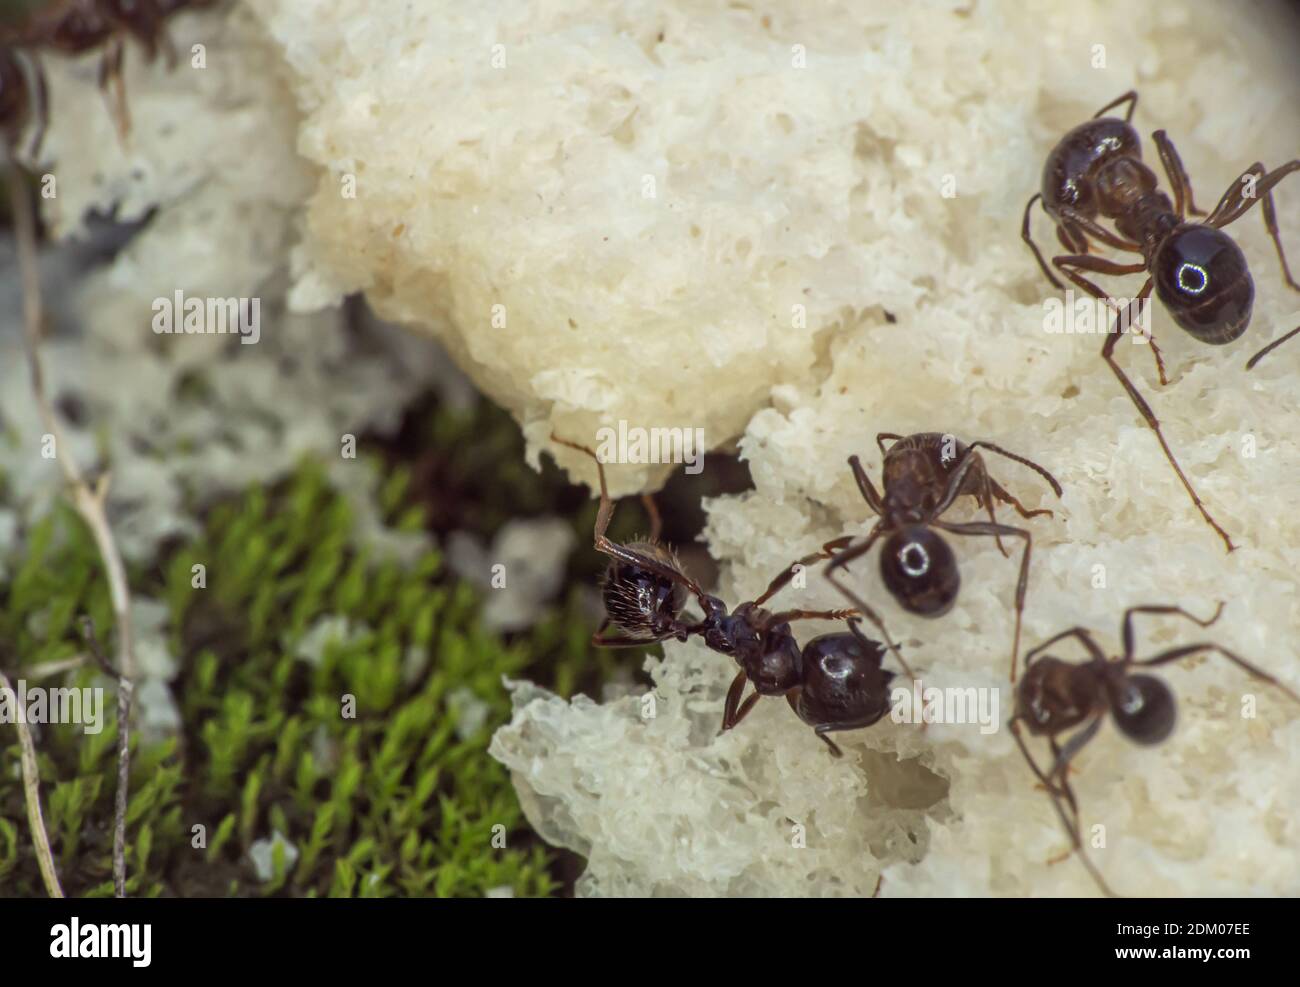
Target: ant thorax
(1055, 695)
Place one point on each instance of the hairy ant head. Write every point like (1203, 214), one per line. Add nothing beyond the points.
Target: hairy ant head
(1144, 708)
(644, 604)
(1202, 277)
(920, 570)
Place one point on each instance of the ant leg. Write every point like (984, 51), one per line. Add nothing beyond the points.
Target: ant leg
(1071, 239)
(843, 559)
(994, 490)
(601, 640)
(1130, 97)
(1081, 226)
(821, 732)
(734, 692)
(1028, 238)
(788, 615)
(1010, 500)
(1022, 582)
(1126, 322)
(1250, 364)
(1071, 826)
(1040, 470)
(866, 486)
(957, 479)
(1108, 354)
(1174, 654)
(1123, 317)
(741, 713)
(985, 498)
(1084, 262)
(652, 512)
(1129, 614)
(1182, 185)
(622, 552)
(882, 436)
(110, 77)
(879, 881)
(1082, 634)
(786, 575)
(1252, 185)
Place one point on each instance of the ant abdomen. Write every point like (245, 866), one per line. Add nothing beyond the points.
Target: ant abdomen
(843, 682)
(1202, 277)
(639, 602)
(920, 571)
(1144, 709)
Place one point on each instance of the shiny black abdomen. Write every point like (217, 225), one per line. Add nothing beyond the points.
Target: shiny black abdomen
(1202, 277)
(843, 682)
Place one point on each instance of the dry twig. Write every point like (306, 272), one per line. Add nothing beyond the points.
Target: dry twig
(90, 504)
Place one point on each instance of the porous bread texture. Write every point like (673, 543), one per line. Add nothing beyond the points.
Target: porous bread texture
(664, 806)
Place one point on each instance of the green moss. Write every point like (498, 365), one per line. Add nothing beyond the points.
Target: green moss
(355, 757)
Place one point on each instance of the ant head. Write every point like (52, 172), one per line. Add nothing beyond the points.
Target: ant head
(920, 570)
(733, 634)
(1202, 277)
(1144, 708)
(1068, 175)
(643, 603)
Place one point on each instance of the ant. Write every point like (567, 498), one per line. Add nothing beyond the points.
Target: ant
(73, 27)
(834, 683)
(1056, 696)
(922, 475)
(1197, 270)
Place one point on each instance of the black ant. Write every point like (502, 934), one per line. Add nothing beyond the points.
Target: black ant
(1056, 696)
(645, 593)
(1197, 270)
(922, 475)
(73, 27)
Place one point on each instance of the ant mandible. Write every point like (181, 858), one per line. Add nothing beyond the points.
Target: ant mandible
(645, 592)
(74, 27)
(1055, 696)
(1197, 270)
(922, 475)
